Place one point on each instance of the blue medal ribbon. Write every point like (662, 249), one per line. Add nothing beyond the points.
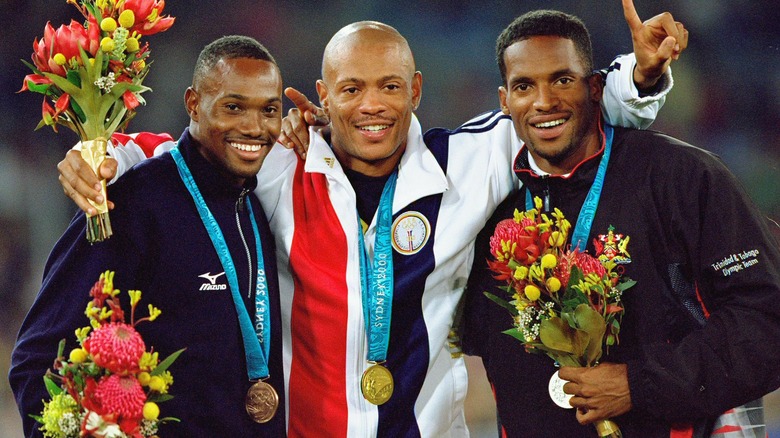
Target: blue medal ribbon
(581, 232)
(376, 284)
(257, 338)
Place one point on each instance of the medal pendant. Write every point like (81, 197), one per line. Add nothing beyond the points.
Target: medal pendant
(556, 391)
(377, 384)
(261, 402)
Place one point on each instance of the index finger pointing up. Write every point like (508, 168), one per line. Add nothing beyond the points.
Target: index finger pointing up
(632, 18)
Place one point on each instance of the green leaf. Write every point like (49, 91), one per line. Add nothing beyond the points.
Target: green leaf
(162, 366)
(159, 398)
(515, 333)
(555, 333)
(38, 88)
(166, 419)
(52, 387)
(502, 302)
(591, 322)
(32, 67)
(78, 111)
(74, 77)
(37, 418)
(623, 285)
(61, 348)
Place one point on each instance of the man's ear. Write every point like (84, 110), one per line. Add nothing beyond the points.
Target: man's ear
(596, 85)
(322, 92)
(191, 100)
(416, 89)
(502, 100)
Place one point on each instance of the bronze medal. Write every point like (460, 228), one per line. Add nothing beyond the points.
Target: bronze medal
(261, 402)
(377, 384)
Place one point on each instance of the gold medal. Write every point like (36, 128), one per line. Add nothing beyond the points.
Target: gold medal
(377, 384)
(261, 402)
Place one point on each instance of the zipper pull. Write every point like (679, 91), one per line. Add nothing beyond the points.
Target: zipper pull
(546, 194)
(241, 198)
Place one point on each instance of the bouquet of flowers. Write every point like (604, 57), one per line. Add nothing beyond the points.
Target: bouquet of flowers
(108, 387)
(565, 303)
(91, 77)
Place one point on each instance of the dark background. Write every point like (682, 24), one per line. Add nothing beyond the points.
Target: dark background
(726, 99)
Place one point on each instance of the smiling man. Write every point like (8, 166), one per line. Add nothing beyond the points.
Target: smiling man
(698, 345)
(165, 248)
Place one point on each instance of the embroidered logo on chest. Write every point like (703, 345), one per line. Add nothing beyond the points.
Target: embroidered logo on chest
(612, 246)
(411, 231)
(212, 282)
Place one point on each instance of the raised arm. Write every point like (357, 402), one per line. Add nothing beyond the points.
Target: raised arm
(636, 85)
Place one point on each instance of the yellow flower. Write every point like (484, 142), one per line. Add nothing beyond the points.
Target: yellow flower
(132, 45)
(148, 361)
(107, 44)
(151, 411)
(82, 333)
(127, 19)
(520, 273)
(144, 378)
(538, 202)
(557, 239)
(532, 292)
(553, 284)
(53, 412)
(549, 261)
(156, 383)
(154, 312)
(78, 355)
(59, 59)
(535, 272)
(135, 297)
(108, 24)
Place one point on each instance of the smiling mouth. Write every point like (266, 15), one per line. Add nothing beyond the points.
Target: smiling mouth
(247, 147)
(373, 128)
(550, 124)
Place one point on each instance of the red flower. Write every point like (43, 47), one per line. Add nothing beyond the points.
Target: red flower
(525, 251)
(584, 261)
(148, 16)
(116, 346)
(35, 80)
(66, 40)
(122, 396)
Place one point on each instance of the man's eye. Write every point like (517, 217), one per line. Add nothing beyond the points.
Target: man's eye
(232, 107)
(351, 90)
(522, 87)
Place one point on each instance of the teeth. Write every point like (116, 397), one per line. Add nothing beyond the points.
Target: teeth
(550, 124)
(247, 147)
(374, 128)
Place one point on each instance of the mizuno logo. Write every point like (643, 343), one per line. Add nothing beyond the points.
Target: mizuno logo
(211, 285)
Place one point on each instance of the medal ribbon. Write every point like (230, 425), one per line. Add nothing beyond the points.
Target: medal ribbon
(581, 232)
(257, 339)
(376, 284)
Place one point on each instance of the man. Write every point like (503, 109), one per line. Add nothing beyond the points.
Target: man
(163, 246)
(330, 216)
(701, 326)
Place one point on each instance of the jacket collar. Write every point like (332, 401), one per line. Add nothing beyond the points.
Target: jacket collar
(419, 174)
(585, 170)
(210, 179)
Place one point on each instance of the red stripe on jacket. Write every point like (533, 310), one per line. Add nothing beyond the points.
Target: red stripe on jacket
(318, 258)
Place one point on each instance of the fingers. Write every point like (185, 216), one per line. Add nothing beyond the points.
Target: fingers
(299, 99)
(295, 133)
(79, 181)
(682, 39)
(108, 168)
(632, 18)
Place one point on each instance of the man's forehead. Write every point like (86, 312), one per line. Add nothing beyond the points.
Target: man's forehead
(540, 53)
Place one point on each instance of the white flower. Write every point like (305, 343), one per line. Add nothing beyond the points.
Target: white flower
(101, 428)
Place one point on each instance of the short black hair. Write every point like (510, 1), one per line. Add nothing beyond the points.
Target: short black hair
(229, 47)
(545, 22)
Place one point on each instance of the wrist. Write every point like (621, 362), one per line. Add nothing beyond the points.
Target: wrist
(646, 84)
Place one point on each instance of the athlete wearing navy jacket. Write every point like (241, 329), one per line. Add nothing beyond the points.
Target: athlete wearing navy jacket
(161, 247)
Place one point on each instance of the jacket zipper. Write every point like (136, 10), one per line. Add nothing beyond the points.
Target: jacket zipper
(546, 194)
(239, 209)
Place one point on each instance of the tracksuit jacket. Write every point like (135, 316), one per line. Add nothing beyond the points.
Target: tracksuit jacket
(160, 246)
(701, 330)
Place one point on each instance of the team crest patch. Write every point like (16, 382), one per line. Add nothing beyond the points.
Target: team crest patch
(612, 246)
(410, 232)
